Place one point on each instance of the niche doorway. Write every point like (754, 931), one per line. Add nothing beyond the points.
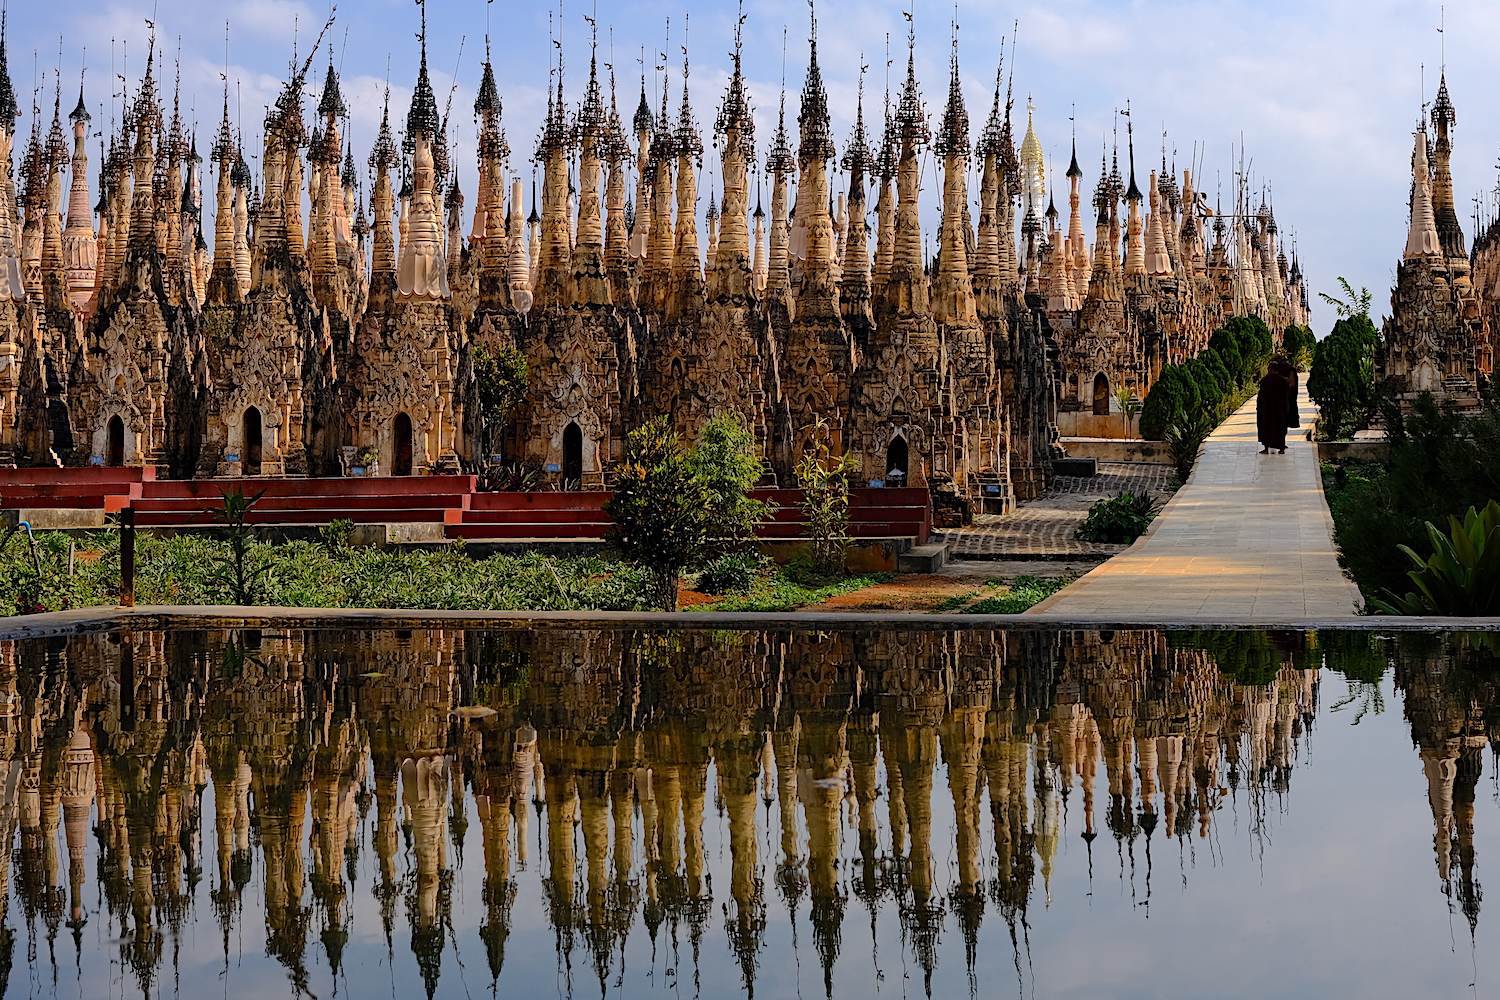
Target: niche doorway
(896, 460)
(402, 435)
(252, 456)
(572, 457)
(1101, 395)
(114, 454)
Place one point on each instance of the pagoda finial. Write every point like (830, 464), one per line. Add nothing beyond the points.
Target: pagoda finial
(1132, 193)
(383, 152)
(687, 141)
(9, 112)
(858, 159)
(953, 133)
(813, 121)
(911, 121)
(422, 119)
(735, 112)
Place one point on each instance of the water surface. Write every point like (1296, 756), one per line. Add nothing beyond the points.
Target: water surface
(644, 814)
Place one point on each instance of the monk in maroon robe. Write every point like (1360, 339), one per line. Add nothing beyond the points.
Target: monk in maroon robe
(1271, 406)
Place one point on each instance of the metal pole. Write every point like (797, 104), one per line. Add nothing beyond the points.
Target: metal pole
(127, 557)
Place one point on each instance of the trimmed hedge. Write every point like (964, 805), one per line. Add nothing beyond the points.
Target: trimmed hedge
(1236, 357)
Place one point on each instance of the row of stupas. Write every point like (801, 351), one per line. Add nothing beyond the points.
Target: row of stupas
(1444, 304)
(347, 786)
(307, 345)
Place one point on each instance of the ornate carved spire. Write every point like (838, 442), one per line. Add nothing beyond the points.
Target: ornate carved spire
(953, 293)
(9, 112)
(422, 271)
(732, 266)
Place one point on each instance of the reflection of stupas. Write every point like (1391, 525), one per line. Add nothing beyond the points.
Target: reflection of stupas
(345, 790)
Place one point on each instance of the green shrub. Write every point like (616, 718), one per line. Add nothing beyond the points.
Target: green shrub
(1173, 394)
(1223, 343)
(1341, 380)
(1209, 390)
(1439, 463)
(674, 509)
(1119, 519)
(732, 573)
(501, 380)
(824, 478)
(659, 509)
(1214, 361)
(1462, 576)
(1253, 338)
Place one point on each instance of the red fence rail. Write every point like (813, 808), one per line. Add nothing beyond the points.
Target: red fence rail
(452, 501)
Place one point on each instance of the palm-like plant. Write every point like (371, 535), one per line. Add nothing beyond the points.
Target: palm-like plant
(1462, 576)
(237, 572)
(1353, 304)
(1185, 438)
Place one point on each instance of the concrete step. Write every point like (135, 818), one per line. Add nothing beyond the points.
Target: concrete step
(927, 558)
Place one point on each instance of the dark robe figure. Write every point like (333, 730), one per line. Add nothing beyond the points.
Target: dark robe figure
(1293, 418)
(1271, 406)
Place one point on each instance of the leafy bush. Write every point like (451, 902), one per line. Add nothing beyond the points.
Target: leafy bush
(186, 569)
(501, 379)
(724, 460)
(1214, 362)
(824, 478)
(733, 573)
(1223, 343)
(1342, 378)
(1462, 576)
(674, 509)
(1256, 345)
(336, 534)
(1439, 463)
(1119, 519)
(1173, 394)
(239, 572)
(1299, 345)
(1209, 391)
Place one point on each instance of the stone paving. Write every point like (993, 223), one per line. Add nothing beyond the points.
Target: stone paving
(1043, 528)
(1247, 540)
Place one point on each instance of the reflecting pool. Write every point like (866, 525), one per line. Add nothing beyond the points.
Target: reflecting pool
(557, 813)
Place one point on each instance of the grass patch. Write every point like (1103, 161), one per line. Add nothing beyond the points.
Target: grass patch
(955, 602)
(1024, 593)
(777, 591)
(185, 570)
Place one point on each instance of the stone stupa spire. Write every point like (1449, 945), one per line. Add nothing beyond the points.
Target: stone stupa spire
(953, 291)
(732, 271)
(422, 270)
(814, 151)
(1422, 237)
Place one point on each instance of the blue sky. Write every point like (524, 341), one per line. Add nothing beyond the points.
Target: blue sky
(1325, 94)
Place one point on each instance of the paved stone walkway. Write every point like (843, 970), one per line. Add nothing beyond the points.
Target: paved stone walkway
(1043, 528)
(1248, 539)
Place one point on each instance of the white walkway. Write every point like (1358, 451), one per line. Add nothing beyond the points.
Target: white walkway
(1247, 541)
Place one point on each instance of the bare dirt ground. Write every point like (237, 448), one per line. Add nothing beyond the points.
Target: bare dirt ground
(956, 587)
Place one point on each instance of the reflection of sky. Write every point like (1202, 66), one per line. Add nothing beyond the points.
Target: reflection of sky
(1333, 893)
